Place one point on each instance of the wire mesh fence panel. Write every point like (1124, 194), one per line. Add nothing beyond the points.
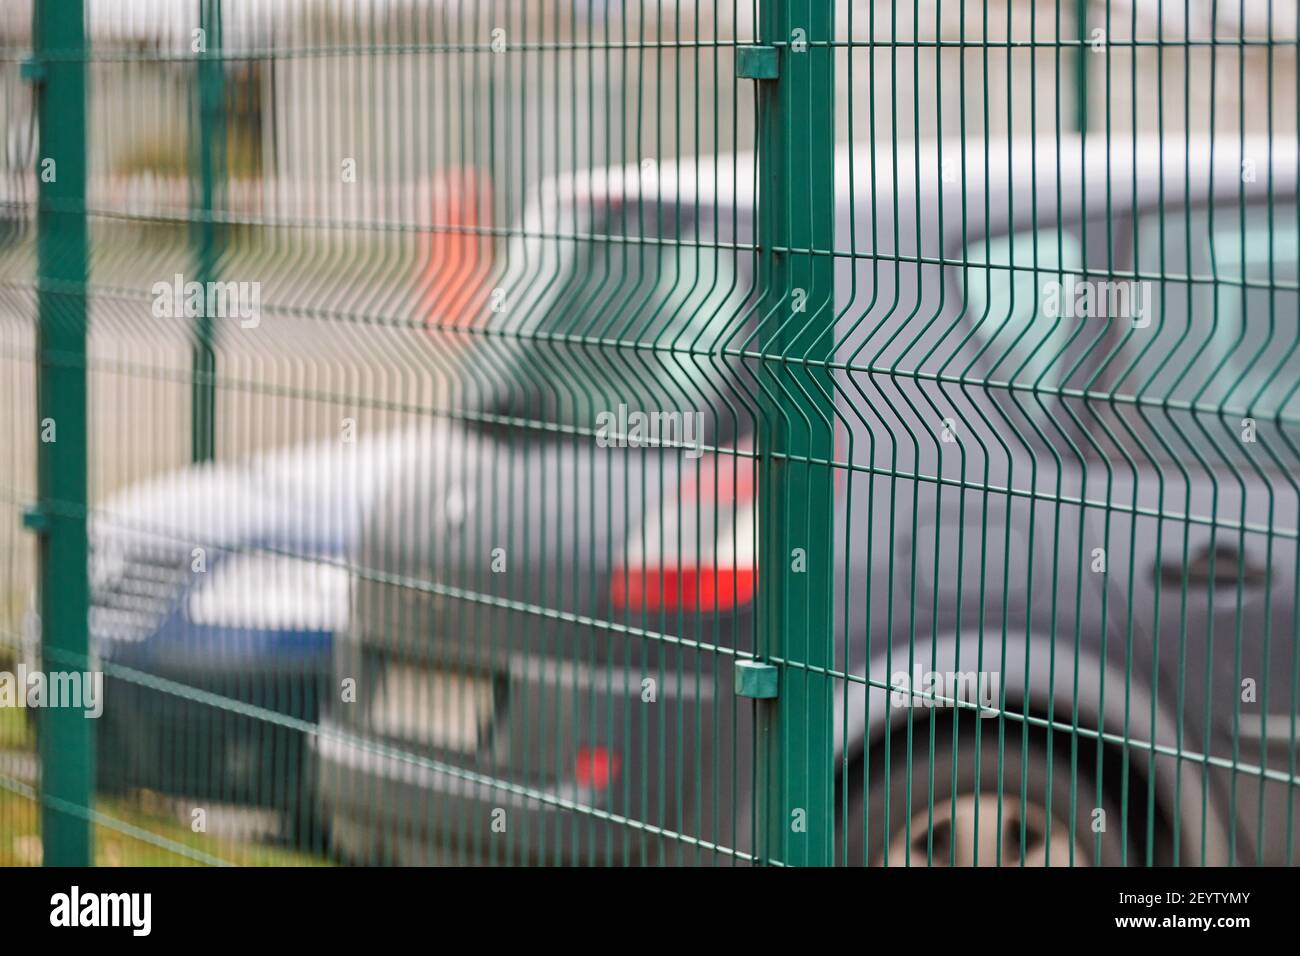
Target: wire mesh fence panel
(1065, 244)
(650, 433)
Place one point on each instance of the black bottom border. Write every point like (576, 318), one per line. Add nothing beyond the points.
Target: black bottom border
(582, 906)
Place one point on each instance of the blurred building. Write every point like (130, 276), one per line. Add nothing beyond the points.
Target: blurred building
(531, 89)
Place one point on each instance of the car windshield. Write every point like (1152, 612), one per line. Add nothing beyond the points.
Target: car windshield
(627, 323)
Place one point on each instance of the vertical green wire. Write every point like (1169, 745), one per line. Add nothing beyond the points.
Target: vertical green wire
(211, 123)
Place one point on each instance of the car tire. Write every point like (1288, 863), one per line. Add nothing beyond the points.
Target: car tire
(968, 830)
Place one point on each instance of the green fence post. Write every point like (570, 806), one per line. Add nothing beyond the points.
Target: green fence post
(796, 146)
(66, 743)
(211, 156)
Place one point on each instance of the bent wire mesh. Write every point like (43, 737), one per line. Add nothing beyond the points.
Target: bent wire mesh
(649, 433)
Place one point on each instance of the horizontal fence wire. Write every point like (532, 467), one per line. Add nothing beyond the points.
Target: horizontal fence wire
(741, 432)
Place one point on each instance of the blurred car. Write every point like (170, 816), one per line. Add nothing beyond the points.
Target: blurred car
(216, 591)
(503, 712)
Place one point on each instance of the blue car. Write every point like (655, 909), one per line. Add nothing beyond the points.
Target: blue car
(217, 590)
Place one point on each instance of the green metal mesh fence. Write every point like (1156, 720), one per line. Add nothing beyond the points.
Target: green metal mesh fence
(644, 432)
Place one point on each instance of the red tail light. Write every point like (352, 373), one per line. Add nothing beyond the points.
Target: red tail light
(683, 589)
(595, 767)
(697, 552)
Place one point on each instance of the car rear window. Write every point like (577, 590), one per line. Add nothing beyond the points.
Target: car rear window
(645, 290)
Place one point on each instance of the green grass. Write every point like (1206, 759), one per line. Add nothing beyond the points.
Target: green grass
(15, 730)
(20, 835)
(20, 839)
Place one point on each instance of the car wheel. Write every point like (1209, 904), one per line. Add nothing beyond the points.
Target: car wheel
(962, 825)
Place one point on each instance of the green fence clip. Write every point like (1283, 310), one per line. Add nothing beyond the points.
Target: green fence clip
(35, 519)
(32, 70)
(756, 679)
(757, 63)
